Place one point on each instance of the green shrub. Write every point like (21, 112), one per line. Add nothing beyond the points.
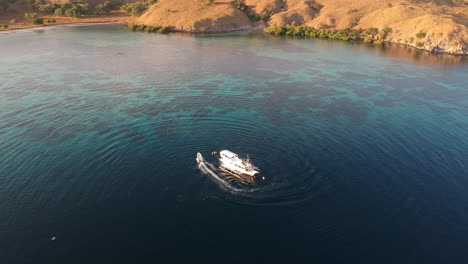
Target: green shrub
(372, 31)
(366, 40)
(304, 31)
(378, 42)
(132, 26)
(50, 21)
(77, 9)
(241, 6)
(11, 10)
(135, 9)
(385, 31)
(316, 6)
(148, 28)
(4, 26)
(419, 44)
(59, 12)
(164, 30)
(35, 3)
(265, 15)
(30, 15)
(72, 9)
(47, 8)
(114, 4)
(102, 8)
(38, 21)
(389, 5)
(107, 6)
(420, 35)
(145, 28)
(254, 16)
(354, 21)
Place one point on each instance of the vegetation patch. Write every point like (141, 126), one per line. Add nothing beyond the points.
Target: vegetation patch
(145, 28)
(354, 21)
(38, 21)
(420, 35)
(384, 32)
(107, 6)
(241, 6)
(316, 6)
(372, 31)
(30, 15)
(137, 8)
(72, 9)
(343, 34)
(305, 31)
(419, 44)
(265, 15)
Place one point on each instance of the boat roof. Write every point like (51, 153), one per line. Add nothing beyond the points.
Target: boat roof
(228, 153)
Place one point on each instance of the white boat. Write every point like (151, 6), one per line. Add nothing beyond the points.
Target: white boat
(199, 158)
(232, 163)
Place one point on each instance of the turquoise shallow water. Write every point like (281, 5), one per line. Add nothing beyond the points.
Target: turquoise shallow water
(364, 148)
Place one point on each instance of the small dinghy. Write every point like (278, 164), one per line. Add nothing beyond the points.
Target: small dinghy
(199, 158)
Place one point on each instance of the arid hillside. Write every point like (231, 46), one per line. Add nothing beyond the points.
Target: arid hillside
(196, 16)
(438, 25)
(432, 25)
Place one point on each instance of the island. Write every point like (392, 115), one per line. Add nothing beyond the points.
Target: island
(436, 26)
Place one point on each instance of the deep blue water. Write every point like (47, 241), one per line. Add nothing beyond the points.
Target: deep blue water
(364, 149)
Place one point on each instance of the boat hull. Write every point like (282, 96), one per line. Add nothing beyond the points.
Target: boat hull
(237, 172)
(199, 158)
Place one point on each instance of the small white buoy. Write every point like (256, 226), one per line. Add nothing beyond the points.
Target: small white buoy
(53, 238)
(263, 178)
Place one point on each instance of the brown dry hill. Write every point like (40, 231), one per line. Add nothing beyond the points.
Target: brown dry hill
(195, 16)
(429, 24)
(443, 23)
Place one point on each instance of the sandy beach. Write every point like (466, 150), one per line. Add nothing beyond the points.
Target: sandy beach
(114, 16)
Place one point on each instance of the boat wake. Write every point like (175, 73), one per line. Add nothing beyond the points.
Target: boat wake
(273, 191)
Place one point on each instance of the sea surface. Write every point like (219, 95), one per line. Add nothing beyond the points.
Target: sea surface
(364, 149)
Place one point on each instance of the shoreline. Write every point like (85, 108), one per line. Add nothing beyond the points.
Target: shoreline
(112, 17)
(59, 25)
(358, 35)
(119, 20)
